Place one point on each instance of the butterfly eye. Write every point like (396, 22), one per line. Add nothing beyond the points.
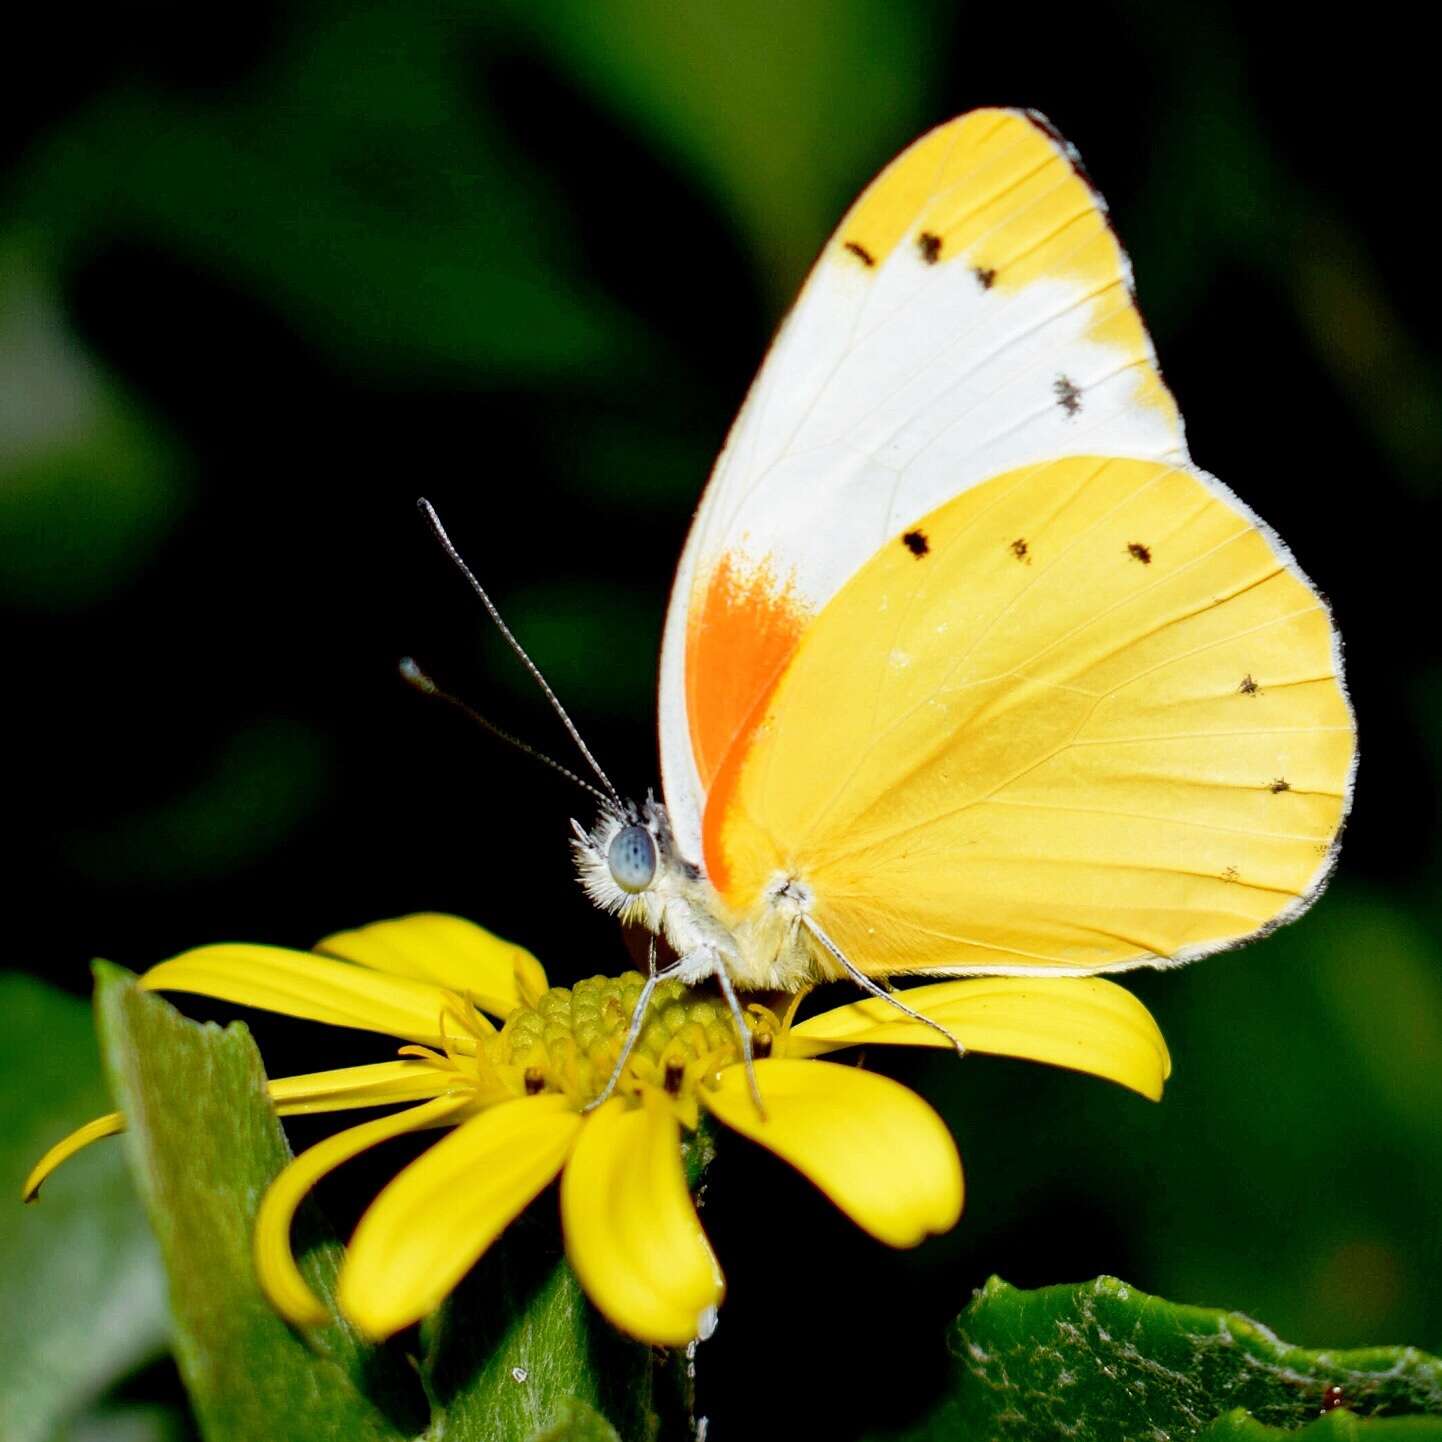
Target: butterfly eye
(632, 858)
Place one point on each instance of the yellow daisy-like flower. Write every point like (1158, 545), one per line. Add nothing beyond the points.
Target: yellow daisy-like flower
(519, 1097)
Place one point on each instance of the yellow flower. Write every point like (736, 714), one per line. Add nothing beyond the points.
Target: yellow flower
(517, 1097)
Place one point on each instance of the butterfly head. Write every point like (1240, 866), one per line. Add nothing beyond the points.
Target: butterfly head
(628, 861)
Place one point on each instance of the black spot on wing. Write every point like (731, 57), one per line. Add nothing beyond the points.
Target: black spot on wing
(1020, 549)
(930, 247)
(985, 276)
(861, 253)
(1072, 157)
(916, 543)
(1068, 394)
(1280, 785)
(1139, 552)
(1248, 687)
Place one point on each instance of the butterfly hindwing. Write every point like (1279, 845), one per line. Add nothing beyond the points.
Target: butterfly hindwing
(1098, 720)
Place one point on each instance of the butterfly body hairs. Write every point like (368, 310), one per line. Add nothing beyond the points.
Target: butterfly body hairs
(967, 668)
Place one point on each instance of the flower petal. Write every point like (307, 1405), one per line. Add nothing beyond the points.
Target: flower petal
(427, 1228)
(379, 1085)
(632, 1233)
(376, 1085)
(275, 1266)
(106, 1126)
(449, 951)
(299, 984)
(875, 1148)
(1081, 1022)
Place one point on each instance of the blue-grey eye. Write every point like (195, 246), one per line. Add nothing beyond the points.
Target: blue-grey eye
(632, 859)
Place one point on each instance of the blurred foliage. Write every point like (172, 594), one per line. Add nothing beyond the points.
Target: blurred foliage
(135, 1423)
(84, 1296)
(267, 777)
(779, 168)
(357, 190)
(88, 488)
(267, 273)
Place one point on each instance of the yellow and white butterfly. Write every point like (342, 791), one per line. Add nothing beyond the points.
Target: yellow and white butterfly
(967, 668)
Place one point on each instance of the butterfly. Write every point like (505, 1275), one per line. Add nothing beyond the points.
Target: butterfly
(967, 668)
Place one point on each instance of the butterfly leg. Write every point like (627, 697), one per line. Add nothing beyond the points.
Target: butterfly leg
(867, 983)
(743, 1035)
(633, 1032)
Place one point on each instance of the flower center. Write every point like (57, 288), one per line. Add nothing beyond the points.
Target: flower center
(570, 1039)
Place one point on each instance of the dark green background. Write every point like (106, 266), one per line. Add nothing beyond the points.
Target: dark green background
(267, 273)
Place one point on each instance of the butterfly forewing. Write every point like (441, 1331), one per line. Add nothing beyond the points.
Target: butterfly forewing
(972, 312)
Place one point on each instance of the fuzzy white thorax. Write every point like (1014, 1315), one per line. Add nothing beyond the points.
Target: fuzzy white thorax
(768, 949)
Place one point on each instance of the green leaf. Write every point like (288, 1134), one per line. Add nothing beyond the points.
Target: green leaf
(578, 1423)
(85, 1296)
(203, 1144)
(1103, 1360)
(518, 1352)
(1338, 1426)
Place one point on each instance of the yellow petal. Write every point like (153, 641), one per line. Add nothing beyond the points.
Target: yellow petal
(377, 1085)
(427, 1228)
(449, 951)
(632, 1233)
(380, 1085)
(299, 984)
(106, 1126)
(875, 1148)
(1081, 1022)
(275, 1266)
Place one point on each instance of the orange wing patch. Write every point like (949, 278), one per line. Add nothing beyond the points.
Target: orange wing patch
(745, 623)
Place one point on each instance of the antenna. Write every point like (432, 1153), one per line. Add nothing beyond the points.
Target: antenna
(414, 676)
(434, 521)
